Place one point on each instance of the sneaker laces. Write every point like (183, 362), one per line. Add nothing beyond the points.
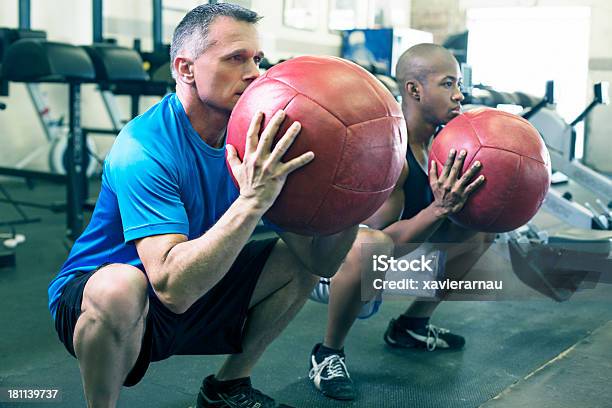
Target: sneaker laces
(433, 333)
(335, 368)
(250, 397)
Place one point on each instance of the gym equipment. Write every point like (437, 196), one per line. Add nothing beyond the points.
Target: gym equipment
(55, 131)
(118, 71)
(121, 71)
(113, 68)
(476, 95)
(560, 138)
(24, 218)
(12, 240)
(26, 56)
(37, 60)
(457, 44)
(352, 124)
(391, 84)
(515, 164)
(156, 63)
(487, 96)
(561, 264)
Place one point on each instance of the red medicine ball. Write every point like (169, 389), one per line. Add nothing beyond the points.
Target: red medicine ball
(515, 163)
(349, 120)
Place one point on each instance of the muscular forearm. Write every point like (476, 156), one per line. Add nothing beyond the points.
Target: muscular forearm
(416, 229)
(191, 268)
(388, 213)
(321, 255)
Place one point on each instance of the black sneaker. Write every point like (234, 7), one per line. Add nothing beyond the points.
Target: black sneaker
(242, 396)
(429, 337)
(329, 374)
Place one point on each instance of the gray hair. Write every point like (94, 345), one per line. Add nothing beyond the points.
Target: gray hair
(192, 32)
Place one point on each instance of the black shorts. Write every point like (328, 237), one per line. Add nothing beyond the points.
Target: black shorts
(214, 324)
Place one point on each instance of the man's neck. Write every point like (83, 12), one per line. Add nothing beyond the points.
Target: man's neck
(209, 123)
(419, 131)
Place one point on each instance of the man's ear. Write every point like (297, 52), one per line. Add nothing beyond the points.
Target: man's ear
(183, 67)
(413, 90)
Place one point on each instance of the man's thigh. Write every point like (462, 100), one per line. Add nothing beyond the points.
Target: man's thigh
(281, 267)
(87, 294)
(215, 323)
(117, 290)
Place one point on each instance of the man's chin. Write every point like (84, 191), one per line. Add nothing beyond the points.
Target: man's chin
(225, 109)
(234, 100)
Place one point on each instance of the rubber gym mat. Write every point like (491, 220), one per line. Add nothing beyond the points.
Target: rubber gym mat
(505, 342)
(578, 377)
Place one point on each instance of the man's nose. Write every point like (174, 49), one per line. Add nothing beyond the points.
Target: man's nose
(252, 71)
(458, 95)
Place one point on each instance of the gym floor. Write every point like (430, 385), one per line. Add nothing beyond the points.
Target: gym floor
(528, 353)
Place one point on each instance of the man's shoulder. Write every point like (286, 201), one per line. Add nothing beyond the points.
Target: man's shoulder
(133, 142)
(147, 135)
(140, 150)
(152, 123)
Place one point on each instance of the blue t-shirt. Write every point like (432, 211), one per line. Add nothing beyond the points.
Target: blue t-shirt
(160, 177)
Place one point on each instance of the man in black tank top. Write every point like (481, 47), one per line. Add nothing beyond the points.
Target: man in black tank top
(430, 83)
(416, 212)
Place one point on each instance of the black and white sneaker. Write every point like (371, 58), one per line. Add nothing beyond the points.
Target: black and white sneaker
(429, 337)
(242, 395)
(329, 374)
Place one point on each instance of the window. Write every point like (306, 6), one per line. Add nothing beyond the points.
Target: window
(519, 49)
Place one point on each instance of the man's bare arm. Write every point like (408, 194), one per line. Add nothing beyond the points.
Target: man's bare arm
(181, 271)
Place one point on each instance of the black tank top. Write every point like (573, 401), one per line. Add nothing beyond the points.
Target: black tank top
(417, 193)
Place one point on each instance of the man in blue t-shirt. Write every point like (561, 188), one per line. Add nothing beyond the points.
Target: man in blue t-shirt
(165, 266)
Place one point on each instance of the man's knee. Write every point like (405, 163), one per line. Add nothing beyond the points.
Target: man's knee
(472, 245)
(302, 277)
(368, 244)
(482, 241)
(372, 242)
(281, 269)
(117, 296)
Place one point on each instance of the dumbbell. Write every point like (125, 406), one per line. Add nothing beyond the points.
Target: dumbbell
(11, 241)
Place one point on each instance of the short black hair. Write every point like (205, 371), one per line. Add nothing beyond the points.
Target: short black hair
(414, 64)
(192, 31)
